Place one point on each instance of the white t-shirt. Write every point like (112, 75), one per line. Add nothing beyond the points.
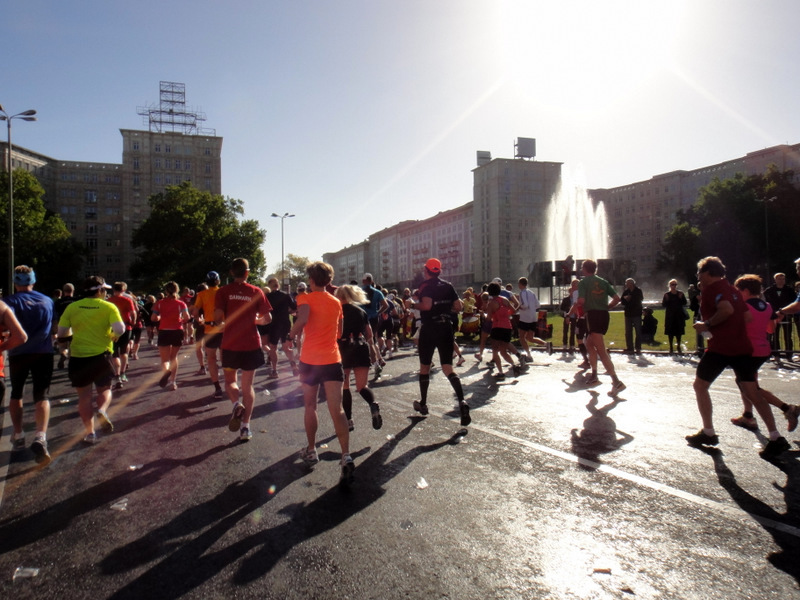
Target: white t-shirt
(528, 306)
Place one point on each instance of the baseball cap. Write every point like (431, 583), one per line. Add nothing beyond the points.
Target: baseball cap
(25, 278)
(797, 261)
(434, 265)
(301, 286)
(212, 276)
(497, 280)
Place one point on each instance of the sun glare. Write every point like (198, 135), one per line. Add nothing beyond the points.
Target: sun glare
(585, 55)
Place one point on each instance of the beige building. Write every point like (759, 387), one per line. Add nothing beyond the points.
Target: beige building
(103, 203)
(640, 214)
(499, 234)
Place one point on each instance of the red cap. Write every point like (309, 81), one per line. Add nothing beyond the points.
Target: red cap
(434, 266)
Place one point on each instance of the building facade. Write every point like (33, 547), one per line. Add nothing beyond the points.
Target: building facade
(640, 214)
(102, 204)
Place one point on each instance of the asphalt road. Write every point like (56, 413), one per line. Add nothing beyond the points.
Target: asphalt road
(554, 491)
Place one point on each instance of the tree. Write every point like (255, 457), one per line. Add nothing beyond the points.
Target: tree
(41, 239)
(295, 269)
(189, 233)
(750, 222)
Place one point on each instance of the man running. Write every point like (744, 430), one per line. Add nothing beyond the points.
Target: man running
(437, 299)
(239, 306)
(593, 295)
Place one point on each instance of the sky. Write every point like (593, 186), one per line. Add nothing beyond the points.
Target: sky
(356, 115)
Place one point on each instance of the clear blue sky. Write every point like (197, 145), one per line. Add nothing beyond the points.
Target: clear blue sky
(357, 115)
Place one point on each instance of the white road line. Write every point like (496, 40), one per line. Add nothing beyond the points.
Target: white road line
(719, 507)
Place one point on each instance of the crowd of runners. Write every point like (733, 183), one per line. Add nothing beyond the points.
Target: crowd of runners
(332, 335)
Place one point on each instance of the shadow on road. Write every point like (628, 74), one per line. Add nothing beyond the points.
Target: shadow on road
(186, 565)
(786, 558)
(599, 434)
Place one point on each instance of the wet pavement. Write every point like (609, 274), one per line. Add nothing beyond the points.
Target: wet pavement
(554, 491)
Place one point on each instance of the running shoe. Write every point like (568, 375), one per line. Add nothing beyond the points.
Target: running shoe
(377, 419)
(61, 361)
(105, 423)
(201, 371)
(123, 378)
(500, 376)
(549, 347)
(295, 369)
(236, 417)
(172, 386)
(775, 448)
(461, 360)
(273, 374)
(791, 414)
(584, 365)
(350, 425)
(90, 439)
(245, 435)
(218, 394)
(347, 470)
(40, 453)
(616, 388)
(591, 380)
(516, 370)
(378, 370)
(420, 407)
(309, 456)
(118, 385)
(748, 423)
(164, 379)
(701, 438)
(18, 444)
(465, 418)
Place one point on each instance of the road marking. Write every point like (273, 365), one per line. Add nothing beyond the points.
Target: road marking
(719, 507)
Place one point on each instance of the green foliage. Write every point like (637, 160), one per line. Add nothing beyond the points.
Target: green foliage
(189, 233)
(41, 238)
(295, 269)
(750, 222)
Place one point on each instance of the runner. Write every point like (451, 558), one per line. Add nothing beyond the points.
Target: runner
(320, 319)
(34, 311)
(171, 314)
(239, 307)
(354, 349)
(438, 298)
(203, 311)
(95, 324)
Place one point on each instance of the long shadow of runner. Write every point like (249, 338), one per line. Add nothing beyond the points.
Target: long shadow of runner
(599, 434)
(786, 559)
(190, 565)
(21, 532)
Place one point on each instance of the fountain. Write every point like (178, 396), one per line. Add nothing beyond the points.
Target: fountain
(574, 226)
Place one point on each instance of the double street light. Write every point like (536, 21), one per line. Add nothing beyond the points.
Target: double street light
(283, 267)
(4, 116)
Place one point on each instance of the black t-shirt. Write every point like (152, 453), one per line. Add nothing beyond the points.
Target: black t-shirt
(443, 295)
(354, 321)
(282, 304)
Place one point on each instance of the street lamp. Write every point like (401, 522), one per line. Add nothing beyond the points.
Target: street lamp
(25, 116)
(283, 268)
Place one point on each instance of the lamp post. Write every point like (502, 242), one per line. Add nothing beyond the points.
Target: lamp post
(4, 116)
(283, 268)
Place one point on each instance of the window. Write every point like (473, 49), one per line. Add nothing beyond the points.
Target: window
(207, 168)
(91, 228)
(91, 212)
(157, 147)
(135, 146)
(167, 148)
(90, 196)
(187, 165)
(158, 163)
(136, 163)
(207, 151)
